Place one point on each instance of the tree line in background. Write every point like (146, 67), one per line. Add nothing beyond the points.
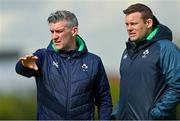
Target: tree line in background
(16, 107)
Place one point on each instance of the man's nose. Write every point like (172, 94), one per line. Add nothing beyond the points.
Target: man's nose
(54, 36)
(129, 28)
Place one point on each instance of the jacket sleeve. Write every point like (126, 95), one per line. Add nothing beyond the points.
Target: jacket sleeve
(170, 66)
(102, 94)
(24, 71)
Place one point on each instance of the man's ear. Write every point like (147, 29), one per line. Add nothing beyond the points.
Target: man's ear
(149, 23)
(74, 31)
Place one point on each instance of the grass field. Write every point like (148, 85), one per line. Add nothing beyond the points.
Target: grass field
(14, 107)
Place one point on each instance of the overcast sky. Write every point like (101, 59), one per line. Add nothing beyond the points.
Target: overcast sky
(23, 26)
(23, 23)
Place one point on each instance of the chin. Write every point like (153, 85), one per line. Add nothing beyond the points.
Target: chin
(133, 39)
(57, 47)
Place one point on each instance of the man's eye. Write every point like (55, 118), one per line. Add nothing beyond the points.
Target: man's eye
(59, 31)
(134, 23)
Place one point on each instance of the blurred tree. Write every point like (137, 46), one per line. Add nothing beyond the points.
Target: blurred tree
(15, 107)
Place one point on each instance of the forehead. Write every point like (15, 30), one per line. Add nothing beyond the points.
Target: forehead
(134, 16)
(59, 24)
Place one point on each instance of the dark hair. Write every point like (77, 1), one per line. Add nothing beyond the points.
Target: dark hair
(69, 17)
(144, 10)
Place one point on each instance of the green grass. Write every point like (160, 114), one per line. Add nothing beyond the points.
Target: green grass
(114, 85)
(14, 107)
(24, 108)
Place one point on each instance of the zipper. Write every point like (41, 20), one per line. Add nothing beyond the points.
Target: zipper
(127, 97)
(68, 87)
(131, 59)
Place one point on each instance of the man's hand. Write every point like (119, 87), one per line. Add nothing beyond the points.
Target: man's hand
(29, 61)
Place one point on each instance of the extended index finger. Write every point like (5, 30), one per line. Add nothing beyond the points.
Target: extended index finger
(26, 57)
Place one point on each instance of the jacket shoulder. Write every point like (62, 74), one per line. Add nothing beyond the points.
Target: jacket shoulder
(165, 43)
(167, 46)
(93, 56)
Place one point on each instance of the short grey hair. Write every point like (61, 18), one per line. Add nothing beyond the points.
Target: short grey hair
(62, 15)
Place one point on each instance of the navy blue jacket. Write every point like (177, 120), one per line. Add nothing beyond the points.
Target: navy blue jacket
(69, 84)
(150, 79)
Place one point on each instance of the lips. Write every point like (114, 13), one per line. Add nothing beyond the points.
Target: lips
(57, 42)
(132, 34)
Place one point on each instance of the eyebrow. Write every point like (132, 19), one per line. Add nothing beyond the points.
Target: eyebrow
(58, 29)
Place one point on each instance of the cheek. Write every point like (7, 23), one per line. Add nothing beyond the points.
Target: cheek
(52, 36)
(142, 32)
(66, 35)
(145, 29)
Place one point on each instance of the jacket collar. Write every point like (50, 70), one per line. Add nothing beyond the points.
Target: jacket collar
(159, 33)
(80, 50)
